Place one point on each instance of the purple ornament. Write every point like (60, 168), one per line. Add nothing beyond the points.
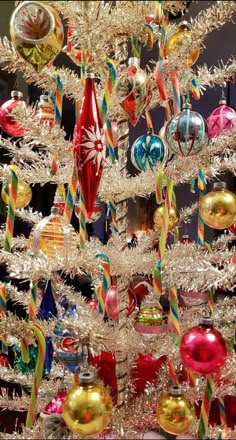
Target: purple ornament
(221, 120)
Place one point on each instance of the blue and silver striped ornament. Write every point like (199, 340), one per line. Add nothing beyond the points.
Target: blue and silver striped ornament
(147, 151)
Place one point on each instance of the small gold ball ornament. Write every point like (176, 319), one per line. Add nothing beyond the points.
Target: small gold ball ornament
(177, 39)
(174, 217)
(24, 194)
(88, 407)
(175, 412)
(218, 207)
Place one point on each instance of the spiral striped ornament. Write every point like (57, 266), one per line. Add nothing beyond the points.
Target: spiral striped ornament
(82, 221)
(110, 140)
(165, 219)
(158, 11)
(11, 211)
(174, 315)
(202, 193)
(157, 283)
(176, 91)
(3, 310)
(106, 281)
(109, 88)
(33, 299)
(24, 351)
(148, 29)
(135, 47)
(38, 374)
(114, 223)
(158, 187)
(70, 197)
(172, 374)
(205, 407)
(58, 99)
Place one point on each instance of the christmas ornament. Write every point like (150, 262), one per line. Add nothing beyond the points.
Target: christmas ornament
(4, 362)
(221, 120)
(67, 344)
(185, 239)
(55, 406)
(111, 303)
(24, 194)
(147, 151)
(133, 91)
(89, 145)
(218, 207)
(53, 236)
(232, 228)
(175, 412)
(7, 122)
(174, 217)
(177, 39)
(203, 348)
(88, 407)
(138, 287)
(97, 212)
(186, 132)
(92, 304)
(22, 366)
(151, 318)
(37, 33)
(46, 114)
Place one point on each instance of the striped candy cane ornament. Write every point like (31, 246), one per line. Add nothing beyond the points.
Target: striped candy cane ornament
(202, 193)
(158, 187)
(82, 221)
(58, 99)
(70, 197)
(106, 281)
(205, 407)
(3, 310)
(148, 29)
(109, 88)
(110, 140)
(11, 210)
(158, 11)
(174, 315)
(157, 284)
(114, 222)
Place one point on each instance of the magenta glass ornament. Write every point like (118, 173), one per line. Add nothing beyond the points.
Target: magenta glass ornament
(89, 145)
(92, 304)
(7, 122)
(221, 120)
(55, 406)
(111, 304)
(203, 348)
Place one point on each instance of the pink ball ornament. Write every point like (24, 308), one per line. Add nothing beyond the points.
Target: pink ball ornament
(203, 348)
(221, 120)
(111, 303)
(55, 406)
(7, 122)
(92, 304)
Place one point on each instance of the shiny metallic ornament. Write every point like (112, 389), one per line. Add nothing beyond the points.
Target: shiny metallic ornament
(24, 194)
(151, 318)
(133, 90)
(186, 132)
(218, 207)
(147, 151)
(174, 217)
(8, 122)
(176, 40)
(37, 33)
(53, 236)
(222, 120)
(175, 412)
(88, 407)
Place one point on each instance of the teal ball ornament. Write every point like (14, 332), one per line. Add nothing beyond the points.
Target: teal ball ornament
(147, 151)
(186, 133)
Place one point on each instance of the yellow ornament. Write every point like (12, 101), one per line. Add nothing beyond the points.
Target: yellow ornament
(175, 412)
(218, 207)
(53, 235)
(177, 39)
(37, 33)
(24, 194)
(151, 316)
(173, 217)
(88, 407)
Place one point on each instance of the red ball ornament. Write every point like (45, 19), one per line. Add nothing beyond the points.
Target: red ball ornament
(89, 145)
(203, 348)
(92, 303)
(55, 406)
(232, 228)
(4, 362)
(221, 120)
(111, 303)
(7, 122)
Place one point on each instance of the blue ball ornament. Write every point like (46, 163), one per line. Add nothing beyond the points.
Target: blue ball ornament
(147, 151)
(186, 133)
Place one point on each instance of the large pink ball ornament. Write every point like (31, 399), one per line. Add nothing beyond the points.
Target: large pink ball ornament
(203, 348)
(221, 120)
(111, 303)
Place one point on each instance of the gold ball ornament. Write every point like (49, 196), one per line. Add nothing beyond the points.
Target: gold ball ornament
(24, 194)
(53, 235)
(218, 207)
(175, 412)
(88, 407)
(176, 40)
(174, 217)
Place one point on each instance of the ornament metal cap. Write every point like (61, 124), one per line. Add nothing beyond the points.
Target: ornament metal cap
(187, 105)
(16, 94)
(218, 185)
(90, 75)
(184, 23)
(185, 236)
(86, 377)
(134, 61)
(43, 98)
(223, 101)
(55, 210)
(206, 320)
(175, 390)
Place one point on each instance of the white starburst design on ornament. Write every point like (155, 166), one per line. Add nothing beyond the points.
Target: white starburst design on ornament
(94, 144)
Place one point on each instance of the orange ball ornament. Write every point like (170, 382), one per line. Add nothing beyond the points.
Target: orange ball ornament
(176, 40)
(53, 236)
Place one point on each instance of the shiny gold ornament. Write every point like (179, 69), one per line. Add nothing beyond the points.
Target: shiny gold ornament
(173, 217)
(177, 39)
(53, 235)
(151, 316)
(175, 412)
(37, 33)
(88, 407)
(24, 194)
(218, 207)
